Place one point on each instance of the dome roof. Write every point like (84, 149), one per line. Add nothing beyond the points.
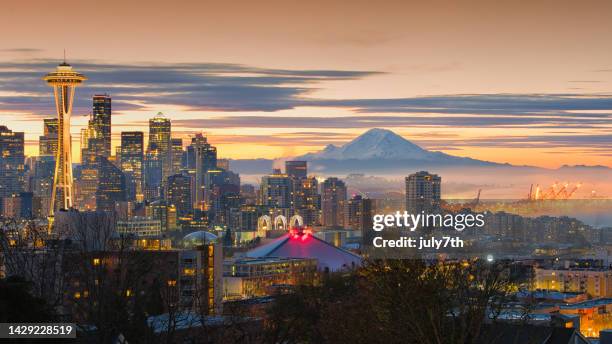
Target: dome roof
(195, 239)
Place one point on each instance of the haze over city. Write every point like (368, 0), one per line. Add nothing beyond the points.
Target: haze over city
(490, 81)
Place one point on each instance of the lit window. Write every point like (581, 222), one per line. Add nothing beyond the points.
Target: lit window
(96, 261)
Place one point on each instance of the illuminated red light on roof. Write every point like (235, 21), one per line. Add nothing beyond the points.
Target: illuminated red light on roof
(299, 232)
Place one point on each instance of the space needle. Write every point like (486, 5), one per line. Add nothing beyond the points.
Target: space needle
(64, 81)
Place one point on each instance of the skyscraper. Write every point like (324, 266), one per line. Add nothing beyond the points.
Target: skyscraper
(47, 143)
(43, 176)
(308, 200)
(333, 198)
(64, 81)
(248, 195)
(163, 212)
(11, 162)
(86, 186)
(223, 164)
(160, 144)
(201, 158)
(111, 185)
(101, 116)
(177, 155)
(152, 175)
(358, 214)
(296, 169)
(178, 194)
(132, 159)
(222, 193)
(422, 192)
(276, 190)
(92, 142)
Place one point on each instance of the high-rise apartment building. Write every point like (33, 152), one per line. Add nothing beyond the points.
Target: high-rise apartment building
(42, 184)
(178, 194)
(101, 117)
(221, 194)
(423, 192)
(90, 143)
(153, 166)
(248, 195)
(132, 160)
(296, 169)
(333, 199)
(275, 190)
(201, 158)
(163, 212)
(86, 186)
(306, 200)
(358, 216)
(201, 273)
(111, 185)
(12, 159)
(160, 143)
(177, 155)
(304, 195)
(47, 143)
(223, 164)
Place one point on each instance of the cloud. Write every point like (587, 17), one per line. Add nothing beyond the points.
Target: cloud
(494, 104)
(232, 88)
(198, 86)
(21, 50)
(585, 81)
(399, 120)
(588, 143)
(284, 140)
(236, 87)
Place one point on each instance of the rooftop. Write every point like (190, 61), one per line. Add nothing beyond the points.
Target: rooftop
(189, 320)
(198, 238)
(546, 294)
(301, 244)
(260, 260)
(588, 304)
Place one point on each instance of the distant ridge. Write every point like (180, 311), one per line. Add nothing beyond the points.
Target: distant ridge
(383, 151)
(383, 144)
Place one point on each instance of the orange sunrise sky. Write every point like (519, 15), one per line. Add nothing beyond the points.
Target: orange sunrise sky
(528, 83)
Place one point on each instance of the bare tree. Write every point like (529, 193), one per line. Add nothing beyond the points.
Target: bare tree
(28, 250)
(395, 301)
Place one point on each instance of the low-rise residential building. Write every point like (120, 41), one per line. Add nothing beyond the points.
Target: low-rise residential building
(595, 282)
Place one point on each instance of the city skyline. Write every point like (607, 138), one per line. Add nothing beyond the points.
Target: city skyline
(290, 91)
(262, 172)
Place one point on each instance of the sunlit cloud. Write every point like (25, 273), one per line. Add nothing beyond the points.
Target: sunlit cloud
(270, 110)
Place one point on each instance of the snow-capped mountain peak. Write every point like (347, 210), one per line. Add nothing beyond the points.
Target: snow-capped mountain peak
(374, 143)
